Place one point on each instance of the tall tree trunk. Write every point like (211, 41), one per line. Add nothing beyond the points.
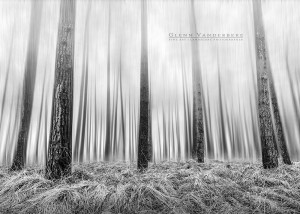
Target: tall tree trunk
(40, 120)
(144, 94)
(222, 128)
(294, 95)
(186, 111)
(115, 114)
(84, 113)
(177, 128)
(46, 134)
(150, 126)
(7, 73)
(269, 149)
(60, 143)
(123, 123)
(198, 129)
(80, 130)
(207, 116)
(108, 134)
(28, 84)
(96, 122)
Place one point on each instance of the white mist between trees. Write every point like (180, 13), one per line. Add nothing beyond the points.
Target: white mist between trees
(170, 77)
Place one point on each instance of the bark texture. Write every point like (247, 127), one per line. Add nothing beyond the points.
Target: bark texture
(278, 125)
(144, 94)
(198, 129)
(60, 142)
(28, 85)
(268, 144)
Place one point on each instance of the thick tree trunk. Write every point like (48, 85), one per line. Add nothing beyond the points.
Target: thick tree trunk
(269, 149)
(28, 85)
(144, 94)
(60, 143)
(278, 125)
(198, 129)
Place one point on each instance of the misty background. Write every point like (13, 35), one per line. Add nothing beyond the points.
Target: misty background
(231, 62)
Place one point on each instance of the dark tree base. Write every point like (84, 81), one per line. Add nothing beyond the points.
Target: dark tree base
(16, 166)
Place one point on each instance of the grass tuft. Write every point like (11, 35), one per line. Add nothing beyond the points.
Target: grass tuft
(168, 187)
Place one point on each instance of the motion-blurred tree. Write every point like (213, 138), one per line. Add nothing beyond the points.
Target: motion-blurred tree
(82, 113)
(108, 116)
(198, 128)
(28, 84)
(60, 143)
(144, 94)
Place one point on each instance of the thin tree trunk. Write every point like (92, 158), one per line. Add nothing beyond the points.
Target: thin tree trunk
(108, 134)
(150, 126)
(28, 85)
(158, 129)
(84, 113)
(178, 133)
(198, 129)
(165, 154)
(207, 129)
(269, 149)
(7, 137)
(15, 128)
(40, 120)
(294, 95)
(115, 114)
(81, 119)
(144, 94)
(60, 143)
(122, 109)
(96, 122)
(222, 129)
(7, 73)
(210, 145)
(130, 128)
(46, 133)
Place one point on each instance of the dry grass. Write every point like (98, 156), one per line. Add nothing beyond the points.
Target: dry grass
(189, 187)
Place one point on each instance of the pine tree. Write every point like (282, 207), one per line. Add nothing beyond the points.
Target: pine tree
(108, 116)
(268, 144)
(198, 129)
(60, 142)
(144, 94)
(28, 85)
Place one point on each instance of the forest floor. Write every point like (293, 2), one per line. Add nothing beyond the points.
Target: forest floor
(168, 187)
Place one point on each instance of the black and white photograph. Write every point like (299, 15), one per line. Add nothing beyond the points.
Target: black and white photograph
(149, 106)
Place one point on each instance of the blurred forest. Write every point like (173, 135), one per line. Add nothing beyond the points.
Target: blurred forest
(127, 82)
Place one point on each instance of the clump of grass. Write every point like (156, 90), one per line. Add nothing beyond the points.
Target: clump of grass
(168, 187)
